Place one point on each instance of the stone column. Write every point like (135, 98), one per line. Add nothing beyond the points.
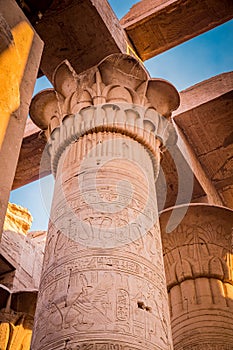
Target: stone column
(103, 282)
(20, 54)
(198, 265)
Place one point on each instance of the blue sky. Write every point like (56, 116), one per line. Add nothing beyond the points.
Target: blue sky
(187, 64)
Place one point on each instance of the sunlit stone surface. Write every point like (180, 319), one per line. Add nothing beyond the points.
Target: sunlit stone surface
(103, 282)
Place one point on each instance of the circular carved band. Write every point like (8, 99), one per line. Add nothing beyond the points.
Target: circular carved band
(145, 126)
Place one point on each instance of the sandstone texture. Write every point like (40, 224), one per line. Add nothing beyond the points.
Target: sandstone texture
(103, 281)
(18, 219)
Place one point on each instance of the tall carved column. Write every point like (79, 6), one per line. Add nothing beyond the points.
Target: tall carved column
(103, 282)
(199, 271)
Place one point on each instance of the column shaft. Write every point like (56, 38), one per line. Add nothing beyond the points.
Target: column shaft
(198, 263)
(20, 53)
(103, 282)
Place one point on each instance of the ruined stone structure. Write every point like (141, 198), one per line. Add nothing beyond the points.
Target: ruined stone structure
(21, 256)
(123, 148)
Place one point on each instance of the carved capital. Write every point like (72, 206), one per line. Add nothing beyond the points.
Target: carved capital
(197, 244)
(116, 95)
(145, 126)
(113, 118)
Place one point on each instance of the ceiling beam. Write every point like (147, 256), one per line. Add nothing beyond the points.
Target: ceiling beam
(83, 32)
(205, 119)
(155, 26)
(29, 167)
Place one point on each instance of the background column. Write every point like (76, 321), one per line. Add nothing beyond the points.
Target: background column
(198, 264)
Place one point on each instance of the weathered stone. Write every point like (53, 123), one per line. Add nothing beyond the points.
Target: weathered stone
(209, 100)
(206, 122)
(197, 245)
(24, 256)
(82, 47)
(103, 280)
(21, 253)
(18, 219)
(103, 283)
(19, 64)
(155, 26)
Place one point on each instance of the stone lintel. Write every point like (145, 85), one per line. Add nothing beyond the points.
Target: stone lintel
(207, 125)
(193, 162)
(83, 32)
(32, 148)
(155, 26)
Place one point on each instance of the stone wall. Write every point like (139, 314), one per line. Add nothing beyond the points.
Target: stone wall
(25, 254)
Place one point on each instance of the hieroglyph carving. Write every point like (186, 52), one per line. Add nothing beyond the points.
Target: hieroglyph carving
(103, 283)
(199, 272)
(198, 251)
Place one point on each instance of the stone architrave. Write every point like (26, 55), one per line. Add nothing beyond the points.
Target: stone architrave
(103, 283)
(199, 272)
